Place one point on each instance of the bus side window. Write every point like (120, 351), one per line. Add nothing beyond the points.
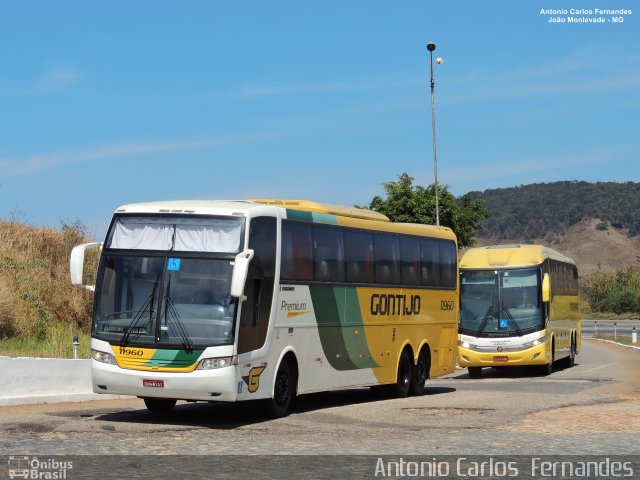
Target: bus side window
(430, 273)
(447, 254)
(410, 257)
(297, 263)
(359, 250)
(386, 252)
(328, 254)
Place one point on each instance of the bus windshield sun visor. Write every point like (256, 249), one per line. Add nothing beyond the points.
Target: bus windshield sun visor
(176, 234)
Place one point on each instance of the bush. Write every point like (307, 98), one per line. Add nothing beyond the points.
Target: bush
(602, 226)
(619, 293)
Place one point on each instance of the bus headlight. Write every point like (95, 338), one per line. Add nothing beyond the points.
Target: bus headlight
(465, 345)
(536, 342)
(221, 362)
(103, 357)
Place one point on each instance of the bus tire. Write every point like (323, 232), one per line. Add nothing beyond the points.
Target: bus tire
(548, 368)
(420, 374)
(405, 375)
(475, 372)
(159, 406)
(283, 392)
(571, 359)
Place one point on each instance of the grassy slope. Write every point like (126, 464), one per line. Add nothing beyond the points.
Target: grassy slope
(39, 308)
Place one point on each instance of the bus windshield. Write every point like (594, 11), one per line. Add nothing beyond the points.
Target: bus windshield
(165, 281)
(500, 303)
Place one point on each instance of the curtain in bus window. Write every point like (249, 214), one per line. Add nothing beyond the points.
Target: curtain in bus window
(134, 235)
(219, 236)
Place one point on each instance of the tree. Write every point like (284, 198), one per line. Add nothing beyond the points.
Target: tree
(410, 203)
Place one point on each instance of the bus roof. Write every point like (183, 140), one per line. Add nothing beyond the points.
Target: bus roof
(306, 210)
(296, 209)
(309, 206)
(509, 256)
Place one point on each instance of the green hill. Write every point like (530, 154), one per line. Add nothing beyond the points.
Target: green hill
(549, 210)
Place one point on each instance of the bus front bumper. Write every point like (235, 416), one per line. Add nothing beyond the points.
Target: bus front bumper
(468, 357)
(206, 385)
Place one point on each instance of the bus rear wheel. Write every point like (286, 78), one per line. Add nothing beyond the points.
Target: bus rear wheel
(420, 374)
(475, 372)
(159, 406)
(571, 359)
(405, 375)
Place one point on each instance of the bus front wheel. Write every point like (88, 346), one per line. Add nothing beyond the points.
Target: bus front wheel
(160, 405)
(283, 392)
(475, 372)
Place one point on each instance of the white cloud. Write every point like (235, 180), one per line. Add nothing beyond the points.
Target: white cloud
(36, 163)
(54, 81)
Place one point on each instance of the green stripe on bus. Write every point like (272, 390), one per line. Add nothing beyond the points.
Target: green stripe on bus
(311, 217)
(353, 330)
(174, 358)
(344, 349)
(299, 215)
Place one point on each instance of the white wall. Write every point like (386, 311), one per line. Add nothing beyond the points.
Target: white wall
(45, 380)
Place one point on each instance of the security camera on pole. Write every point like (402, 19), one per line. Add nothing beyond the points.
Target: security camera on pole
(431, 47)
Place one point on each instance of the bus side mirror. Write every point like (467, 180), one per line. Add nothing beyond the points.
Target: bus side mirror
(546, 288)
(239, 277)
(76, 264)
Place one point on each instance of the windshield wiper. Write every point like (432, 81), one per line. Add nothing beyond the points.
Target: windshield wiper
(485, 320)
(512, 320)
(172, 316)
(146, 306)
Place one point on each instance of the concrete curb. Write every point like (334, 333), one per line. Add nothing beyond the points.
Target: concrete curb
(614, 343)
(28, 381)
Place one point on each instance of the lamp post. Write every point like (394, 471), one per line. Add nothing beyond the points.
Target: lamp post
(431, 47)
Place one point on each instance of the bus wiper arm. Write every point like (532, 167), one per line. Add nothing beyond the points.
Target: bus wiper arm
(512, 320)
(146, 307)
(485, 320)
(171, 314)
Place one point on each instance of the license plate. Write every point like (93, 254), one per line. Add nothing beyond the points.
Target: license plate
(500, 358)
(153, 383)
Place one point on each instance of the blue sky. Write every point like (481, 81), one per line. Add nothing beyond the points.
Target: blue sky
(110, 103)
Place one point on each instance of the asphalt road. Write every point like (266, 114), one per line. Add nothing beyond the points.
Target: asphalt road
(591, 408)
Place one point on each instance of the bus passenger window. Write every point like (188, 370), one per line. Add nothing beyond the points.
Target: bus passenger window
(410, 256)
(358, 247)
(328, 254)
(447, 252)
(430, 273)
(387, 259)
(296, 252)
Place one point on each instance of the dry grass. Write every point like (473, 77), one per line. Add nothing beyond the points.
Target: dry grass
(37, 300)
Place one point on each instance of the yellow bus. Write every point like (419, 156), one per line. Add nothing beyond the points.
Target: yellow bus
(519, 305)
(268, 299)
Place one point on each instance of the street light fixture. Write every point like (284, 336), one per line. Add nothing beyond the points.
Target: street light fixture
(431, 47)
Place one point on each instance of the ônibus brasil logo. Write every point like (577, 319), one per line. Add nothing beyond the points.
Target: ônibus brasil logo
(34, 468)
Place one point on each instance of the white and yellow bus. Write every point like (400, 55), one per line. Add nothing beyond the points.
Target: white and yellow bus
(519, 305)
(268, 299)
